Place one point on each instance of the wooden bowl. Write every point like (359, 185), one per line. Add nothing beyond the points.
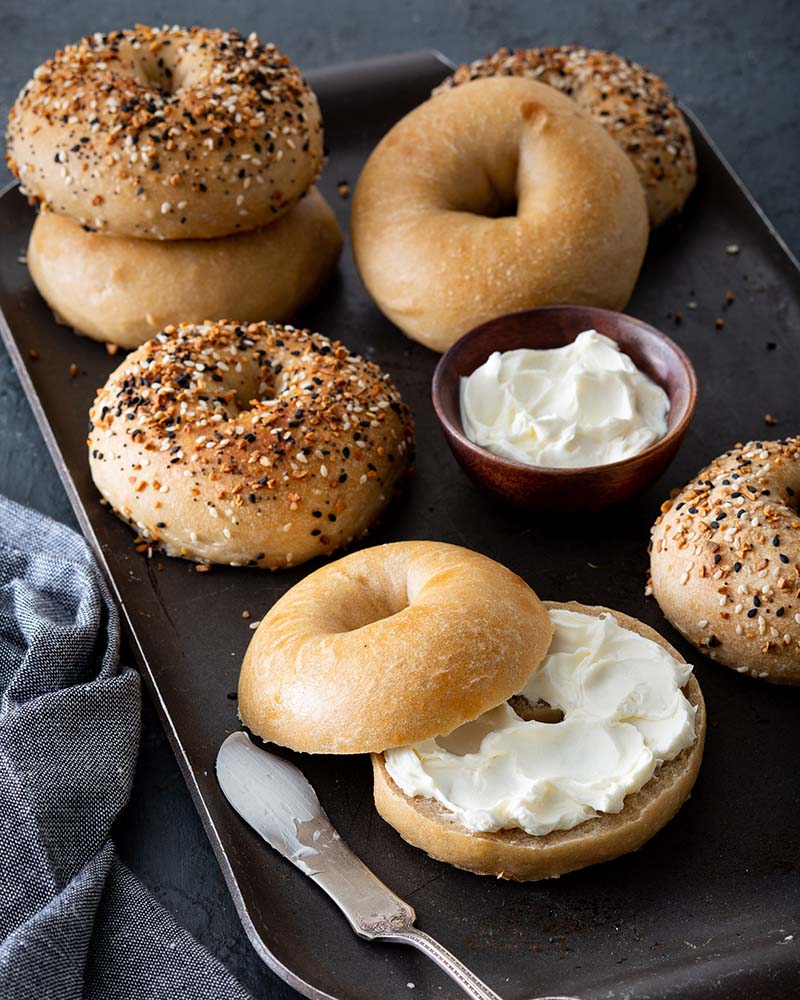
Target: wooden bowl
(566, 489)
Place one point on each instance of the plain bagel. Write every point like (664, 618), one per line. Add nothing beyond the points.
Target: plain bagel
(515, 854)
(166, 133)
(390, 645)
(725, 560)
(124, 290)
(631, 103)
(495, 196)
(248, 444)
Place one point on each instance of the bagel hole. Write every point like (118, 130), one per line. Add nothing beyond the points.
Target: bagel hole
(252, 390)
(501, 208)
(467, 738)
(159, 71)
(371, 600)
(540, 712)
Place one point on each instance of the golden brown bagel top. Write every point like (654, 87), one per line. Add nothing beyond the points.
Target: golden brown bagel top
(166, 133)
(389, 646)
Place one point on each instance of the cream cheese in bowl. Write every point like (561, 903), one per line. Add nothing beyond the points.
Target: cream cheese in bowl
(584, 404)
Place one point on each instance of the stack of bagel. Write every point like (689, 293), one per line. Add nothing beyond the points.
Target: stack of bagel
(174, 170)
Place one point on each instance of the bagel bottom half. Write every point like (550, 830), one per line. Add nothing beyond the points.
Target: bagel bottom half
(124, 290)
(515, 854)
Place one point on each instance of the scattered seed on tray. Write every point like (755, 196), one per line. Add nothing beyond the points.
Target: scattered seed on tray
(719, 323)
(691, 305)
(769, 419)
(344, 189)
(73, 370)
(232, 696)
(729, 297)
(33, 354)
(202, 568)
(254, 625)
(732, 248)
(112, 349)
(245, 614)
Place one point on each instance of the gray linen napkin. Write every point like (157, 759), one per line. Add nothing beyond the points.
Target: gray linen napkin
(74, 922)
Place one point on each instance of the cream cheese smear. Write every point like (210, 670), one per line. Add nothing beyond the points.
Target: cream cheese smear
(624, 715)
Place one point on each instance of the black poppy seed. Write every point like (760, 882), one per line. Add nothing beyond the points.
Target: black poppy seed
(736, 567)
(757, 602)
(717, 558)
(780, 612)
(783, 558)
(752, 613)
(776, 541)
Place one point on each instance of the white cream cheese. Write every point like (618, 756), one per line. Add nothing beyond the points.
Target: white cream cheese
(624, 714)
(570, 407)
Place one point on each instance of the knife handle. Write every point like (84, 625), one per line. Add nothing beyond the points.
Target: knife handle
(457, 971)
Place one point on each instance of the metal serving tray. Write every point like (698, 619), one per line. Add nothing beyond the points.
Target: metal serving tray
(710, 907)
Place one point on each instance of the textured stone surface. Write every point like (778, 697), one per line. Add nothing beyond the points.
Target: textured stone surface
(731, 61)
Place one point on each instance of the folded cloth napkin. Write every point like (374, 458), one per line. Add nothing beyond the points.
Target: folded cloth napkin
(74, 922)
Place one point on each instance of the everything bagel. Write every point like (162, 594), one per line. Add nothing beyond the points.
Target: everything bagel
(166, 133)
(255, 444)
(725, 560)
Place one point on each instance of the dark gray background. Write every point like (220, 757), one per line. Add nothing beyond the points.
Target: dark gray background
(733, 61)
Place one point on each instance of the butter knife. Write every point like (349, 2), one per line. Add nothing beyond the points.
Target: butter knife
(275, 798)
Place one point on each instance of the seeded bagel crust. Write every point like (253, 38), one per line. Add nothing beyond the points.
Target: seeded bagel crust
(166, 133)
(248, 444)
(725, 560)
